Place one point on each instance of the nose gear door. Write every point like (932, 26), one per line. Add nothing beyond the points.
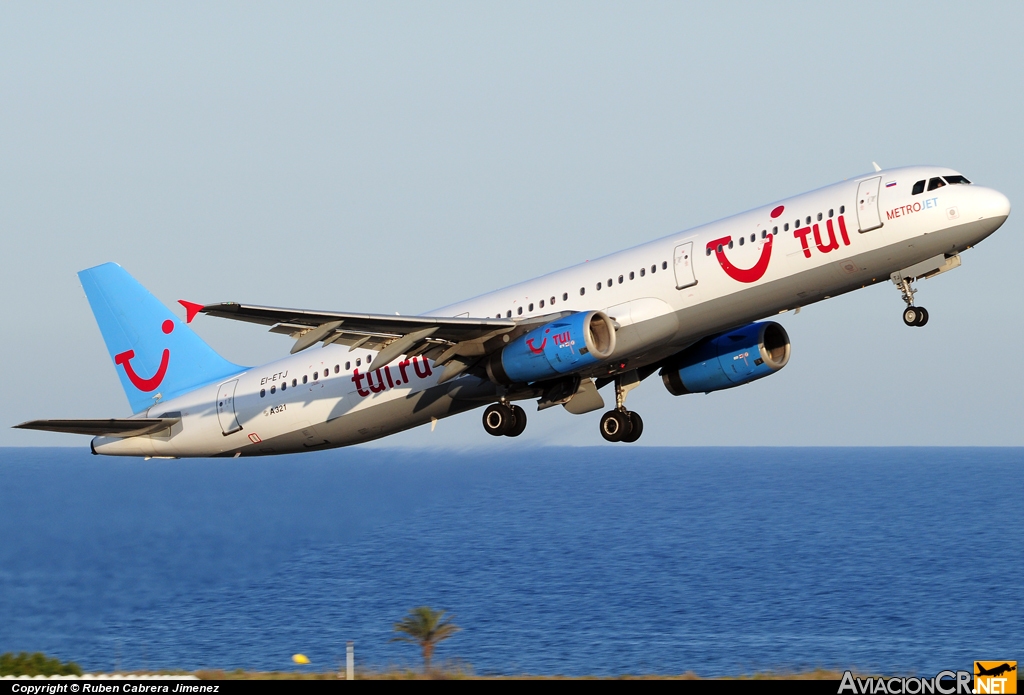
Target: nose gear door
(226, 407)
(683, 263)
(868, 216)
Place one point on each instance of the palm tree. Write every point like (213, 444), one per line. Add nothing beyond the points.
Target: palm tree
(426, 627)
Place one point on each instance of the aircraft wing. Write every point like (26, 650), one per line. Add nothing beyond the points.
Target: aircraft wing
(460, 341)
(113, 427)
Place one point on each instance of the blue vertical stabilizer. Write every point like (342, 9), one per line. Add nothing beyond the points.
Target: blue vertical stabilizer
(156, 355)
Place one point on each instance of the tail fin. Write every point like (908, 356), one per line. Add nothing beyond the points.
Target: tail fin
(156, 355)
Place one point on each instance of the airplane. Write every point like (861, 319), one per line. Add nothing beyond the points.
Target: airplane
(690, 306)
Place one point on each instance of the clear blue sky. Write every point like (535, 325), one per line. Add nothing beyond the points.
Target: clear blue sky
(387, 157)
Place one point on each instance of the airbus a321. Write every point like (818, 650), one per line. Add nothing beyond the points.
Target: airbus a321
(689, 306)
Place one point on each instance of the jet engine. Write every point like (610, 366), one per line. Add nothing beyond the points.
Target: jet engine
(563, 346)
(728, 359)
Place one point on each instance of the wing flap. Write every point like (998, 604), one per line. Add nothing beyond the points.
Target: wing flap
(112, 427)
(292, 321)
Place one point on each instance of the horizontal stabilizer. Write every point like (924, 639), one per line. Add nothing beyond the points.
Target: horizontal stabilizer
(114, 427)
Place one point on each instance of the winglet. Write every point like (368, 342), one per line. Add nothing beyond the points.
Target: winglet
(191, 309)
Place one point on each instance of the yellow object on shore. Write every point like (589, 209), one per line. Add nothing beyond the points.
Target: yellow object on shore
(300, 658)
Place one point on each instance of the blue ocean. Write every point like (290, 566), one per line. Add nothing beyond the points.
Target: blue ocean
(605, 560)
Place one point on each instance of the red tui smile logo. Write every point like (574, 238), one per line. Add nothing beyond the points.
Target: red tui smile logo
(756, 271)
(143, 384)
(536, 350)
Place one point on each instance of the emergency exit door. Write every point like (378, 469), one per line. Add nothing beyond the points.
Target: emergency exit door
(868, 217)
(226, 407)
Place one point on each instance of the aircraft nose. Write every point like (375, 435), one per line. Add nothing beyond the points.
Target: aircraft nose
(994, 204)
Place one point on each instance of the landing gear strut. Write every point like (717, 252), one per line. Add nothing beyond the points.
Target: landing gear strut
(621, 425)
(503, 419)
(912, 315)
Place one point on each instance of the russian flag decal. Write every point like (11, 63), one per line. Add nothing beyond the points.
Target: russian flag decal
(891, 184)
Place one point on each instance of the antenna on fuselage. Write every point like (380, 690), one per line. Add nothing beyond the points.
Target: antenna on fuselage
(875, 165)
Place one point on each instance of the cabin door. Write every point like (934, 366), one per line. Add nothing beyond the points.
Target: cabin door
(226, 407)
(868, 216)
(683, 263)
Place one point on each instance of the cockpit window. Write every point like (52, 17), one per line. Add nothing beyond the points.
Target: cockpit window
(918, 187)
(956, 179)
(936, 183)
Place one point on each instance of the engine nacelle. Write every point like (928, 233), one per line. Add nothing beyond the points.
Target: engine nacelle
(563, 346)
(728, 359)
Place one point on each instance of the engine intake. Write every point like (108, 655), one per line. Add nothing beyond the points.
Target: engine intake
(563, 346)
(728, 359)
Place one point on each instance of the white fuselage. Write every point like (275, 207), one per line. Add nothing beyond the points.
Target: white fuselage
(664, 295)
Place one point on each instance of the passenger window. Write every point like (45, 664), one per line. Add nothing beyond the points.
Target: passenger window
(369, 358)
(808, 219)
(542, 304)
(797, 225)
(664, 264)
(599, 286)
(819, 217)
(764, 233)
(552, 301)
(620, 279)
(654, 268)
(956, 179)
(284, 386)
(610, 283)
(643, 271)
(305, 379)
(742, 239)
(936, 183)
(531, 306)
(273, 389)
(316, 375)
(519, 311)
(583, 291)
(359, 361)
(295, 382)
(785, 227)
(348, 366)
(775, 230)
(631, 275)
(918, 187)
(842, 209)
(263, 392)
(508, 314)
(830, 212)
(337, 368)
(708, 253)
(565, 296)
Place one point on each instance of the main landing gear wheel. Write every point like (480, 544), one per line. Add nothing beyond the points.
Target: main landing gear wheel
(636, 428)
(498, 419)
(614, 425)
(518, 421)
(504, 420)
(924, 316)
(621, 425)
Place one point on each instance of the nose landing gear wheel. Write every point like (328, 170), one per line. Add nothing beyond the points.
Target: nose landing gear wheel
(498, 419)
(518, 421)
(911, 316)
(915, 316)
(636, 428)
